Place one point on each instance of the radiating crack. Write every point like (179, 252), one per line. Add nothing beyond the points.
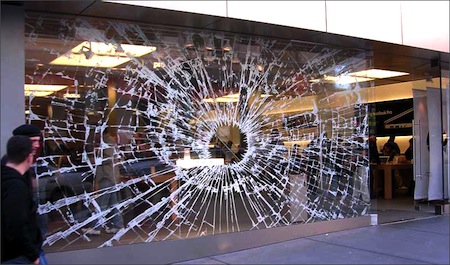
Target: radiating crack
(155, 114)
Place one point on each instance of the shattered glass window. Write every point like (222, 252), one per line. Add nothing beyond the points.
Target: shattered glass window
(157, 133)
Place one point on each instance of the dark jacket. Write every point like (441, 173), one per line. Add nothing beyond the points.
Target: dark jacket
(20, 233)
(409, 153)
(374, 156)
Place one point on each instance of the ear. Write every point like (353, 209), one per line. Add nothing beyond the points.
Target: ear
(30, 159)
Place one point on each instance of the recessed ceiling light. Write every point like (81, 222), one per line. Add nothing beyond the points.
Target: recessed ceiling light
(98, 54)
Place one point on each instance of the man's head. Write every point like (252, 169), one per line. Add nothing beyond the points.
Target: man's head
(19, 149)
(388, 147)
(31, 131)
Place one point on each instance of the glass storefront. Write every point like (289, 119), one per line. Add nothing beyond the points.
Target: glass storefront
(157, 133)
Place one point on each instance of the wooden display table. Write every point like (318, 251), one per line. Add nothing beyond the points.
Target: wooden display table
(387, 169)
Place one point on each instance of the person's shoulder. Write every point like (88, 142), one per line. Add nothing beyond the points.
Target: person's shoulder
(4, 158)
(12, 178)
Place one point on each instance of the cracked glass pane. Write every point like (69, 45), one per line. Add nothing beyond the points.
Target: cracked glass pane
(157, 133)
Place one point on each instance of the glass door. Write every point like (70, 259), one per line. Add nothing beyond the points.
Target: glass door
(430, 139)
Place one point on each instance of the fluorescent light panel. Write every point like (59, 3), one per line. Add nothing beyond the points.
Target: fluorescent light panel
(42, 90)
(236, 95)
(103, 55)
(230, 98)
(360, 76)
(38, 93)
(190, 163)
(377, 73)
(159, 64)
(341, 79)
(72, 95)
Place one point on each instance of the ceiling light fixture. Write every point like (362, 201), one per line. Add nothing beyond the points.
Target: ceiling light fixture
(222, 99)
(377, 73)
(235, 95)
(226, 46)
(189, 42)
(158, 65)
(340, 79)
(360, 76)
(260, 67)
(38, 93)
(190, 163)
(210, 43)
(98, 54)
(226, 100)
(230, 98)
(208, 100)
(209, 56)
(41, 90)
(235, 59)
(72, 95)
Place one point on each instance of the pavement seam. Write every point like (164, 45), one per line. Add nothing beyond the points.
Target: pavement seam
(371, 251)
(222, 262)
(411, 220)
(412, 229)
(423, 231)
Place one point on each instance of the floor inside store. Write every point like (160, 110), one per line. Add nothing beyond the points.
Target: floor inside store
(400, 208)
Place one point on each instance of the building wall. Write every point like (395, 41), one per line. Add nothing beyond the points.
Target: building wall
(422, 24)
(12, 72)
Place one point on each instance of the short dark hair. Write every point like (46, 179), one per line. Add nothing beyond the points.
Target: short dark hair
(18, 148)
(389, 145)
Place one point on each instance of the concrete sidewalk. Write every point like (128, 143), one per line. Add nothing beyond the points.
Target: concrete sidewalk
(418, 241)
